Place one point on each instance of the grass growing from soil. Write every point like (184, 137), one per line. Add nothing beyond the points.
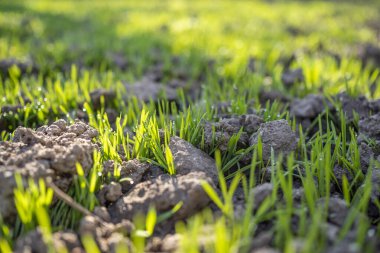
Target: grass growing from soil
(77, 46)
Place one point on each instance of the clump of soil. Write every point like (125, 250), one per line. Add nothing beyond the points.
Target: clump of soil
(370, 54)
(96, 97)
(291, 77)
(34, 242)
(24, 67)
(350, 105)
(147, 90)
(308, 107)
(165, 191)
(276, 135)
(50, 151)
(218, 134)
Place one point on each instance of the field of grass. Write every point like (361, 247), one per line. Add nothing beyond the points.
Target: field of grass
(213, 62)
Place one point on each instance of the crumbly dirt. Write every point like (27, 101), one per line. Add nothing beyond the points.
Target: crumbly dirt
(165, 191)
(276, 135)
(291, 77)
(352, 106)
(23, 67)
(308, 107)
(218, 134)
(96, 98)
(50, 151)
(147, 90)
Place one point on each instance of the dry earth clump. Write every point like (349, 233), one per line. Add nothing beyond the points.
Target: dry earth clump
(50, 151)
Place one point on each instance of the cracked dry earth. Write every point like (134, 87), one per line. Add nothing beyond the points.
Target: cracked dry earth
(53, 151)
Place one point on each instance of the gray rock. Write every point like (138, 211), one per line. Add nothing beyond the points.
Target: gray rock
(277, 135)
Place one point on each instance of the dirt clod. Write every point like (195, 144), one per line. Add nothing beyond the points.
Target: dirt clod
(147, 89)
(188, 158)
(164, 193)
(96, 97)
(277, 135)
(169, 243)
(291, 77)
(227, 127)
(23, 67)
(113, 192)
(337, 210)
(352, 106)
(308, 107)
(260, 193)
(134, 170)
(33, 242)
(51, 151)
(370, 127)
